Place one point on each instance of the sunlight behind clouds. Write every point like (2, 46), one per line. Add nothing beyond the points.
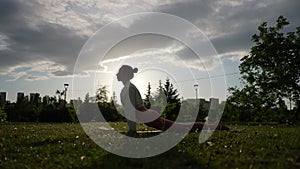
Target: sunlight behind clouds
(161, 49)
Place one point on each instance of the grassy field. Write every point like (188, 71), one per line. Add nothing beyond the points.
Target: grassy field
(38, 145)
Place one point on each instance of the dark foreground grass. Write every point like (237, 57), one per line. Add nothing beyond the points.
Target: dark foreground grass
(37, 145)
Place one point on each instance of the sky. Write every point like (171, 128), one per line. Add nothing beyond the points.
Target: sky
(44, 44)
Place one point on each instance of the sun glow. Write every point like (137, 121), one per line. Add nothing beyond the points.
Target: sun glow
(152, 76)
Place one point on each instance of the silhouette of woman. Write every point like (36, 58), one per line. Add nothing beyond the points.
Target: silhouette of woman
(134, 107)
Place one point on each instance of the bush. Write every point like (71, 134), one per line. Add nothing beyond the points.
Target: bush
(3, 115)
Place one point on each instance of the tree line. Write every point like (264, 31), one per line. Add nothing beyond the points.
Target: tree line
(37, 109)
(166, 99)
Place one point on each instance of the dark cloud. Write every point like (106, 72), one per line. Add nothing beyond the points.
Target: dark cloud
(31, 39)
(189, 10)
(230, 43)
(230, 26)
(50, 42)
(8, 9)
(28, 44)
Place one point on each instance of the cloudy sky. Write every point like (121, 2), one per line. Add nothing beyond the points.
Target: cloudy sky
(40, 42)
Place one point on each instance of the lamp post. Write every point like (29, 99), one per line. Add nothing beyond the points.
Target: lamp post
(66, 85)
(196, 90)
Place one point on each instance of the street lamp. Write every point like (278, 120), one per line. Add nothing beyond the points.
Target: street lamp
(196, 90)
(66, 85)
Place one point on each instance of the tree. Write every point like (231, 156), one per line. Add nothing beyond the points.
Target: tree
(160, 97)
(167, 93)
(107, 108)
(22, 110)
(171, 93)
(72, 111)
(59, 94)
(147, 100)
(271, 72)
(202, 111)
(113, 97)
(61, 102)
(3, 114)
(86, 98)
(101, 94)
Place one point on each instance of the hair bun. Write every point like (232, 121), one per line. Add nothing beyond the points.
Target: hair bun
(135, 70)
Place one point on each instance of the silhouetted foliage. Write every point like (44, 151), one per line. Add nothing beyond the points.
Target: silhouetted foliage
(47, 109)
(3, 114)
(167, 98)
(147, 100)
(101, 94)
(270, 74)
(202, 111)
(51, 109)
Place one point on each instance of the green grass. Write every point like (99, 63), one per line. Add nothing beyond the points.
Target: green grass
(40, 145)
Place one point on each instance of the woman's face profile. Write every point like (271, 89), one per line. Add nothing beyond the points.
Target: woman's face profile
(120, 76)
(125, 74)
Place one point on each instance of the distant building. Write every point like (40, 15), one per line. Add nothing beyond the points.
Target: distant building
(191, 101)
(31, 97)
(2, 97)
(20, 95)
(205, 104)
(46, 100)
(211, 104)
(201, 101)
(34, 97)
(214, 103)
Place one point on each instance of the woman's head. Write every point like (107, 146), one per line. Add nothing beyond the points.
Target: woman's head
(126, 73)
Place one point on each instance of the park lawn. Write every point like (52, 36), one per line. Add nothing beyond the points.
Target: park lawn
(64, 145)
